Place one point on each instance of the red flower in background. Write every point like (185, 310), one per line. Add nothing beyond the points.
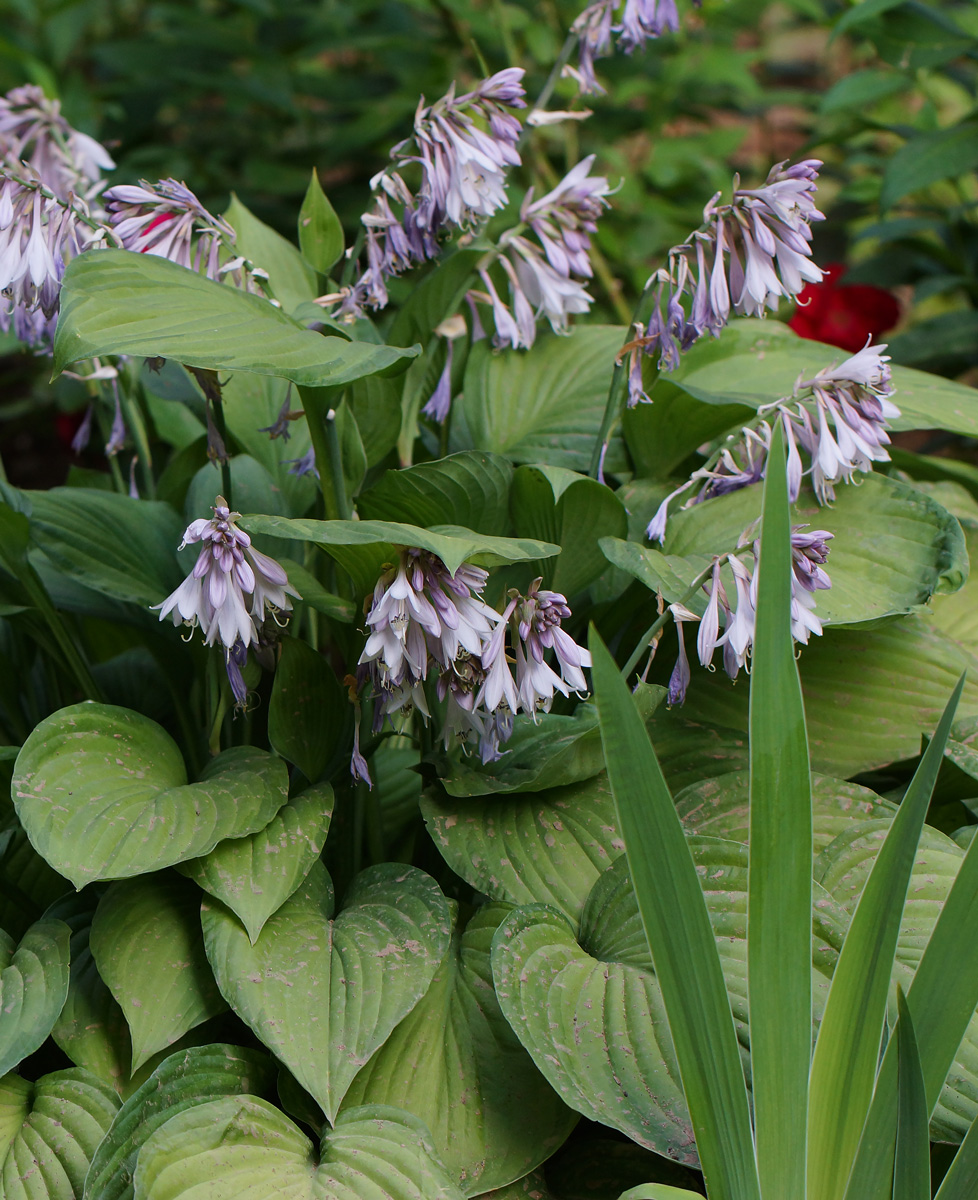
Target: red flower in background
(844, 315)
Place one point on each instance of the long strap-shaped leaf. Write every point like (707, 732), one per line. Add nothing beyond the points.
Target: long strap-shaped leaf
(942, 1001)
(779, 906)
(961, 1181)
(911, 1159)
(680, 936)
(847, 1050)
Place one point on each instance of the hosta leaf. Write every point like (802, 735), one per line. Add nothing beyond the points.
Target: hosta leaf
(64, 1117)
(362, 547)
(893, 548)
(455, 1063)
(117, 302)
(894, 680)
(324, 994)
(183, 1081)
(244, 1149)
(33, 987)
(117, 546)
(255, 875)
(544, 407)
(320, 231)
(103, 794)
(473, 487)
(147, 945)
(27, 884)
(573, 511)
(310, 717)
(292, 279)
(547, 847)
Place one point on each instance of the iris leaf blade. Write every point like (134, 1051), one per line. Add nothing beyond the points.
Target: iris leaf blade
(911, 1161)
(680, 936)
(779, 945)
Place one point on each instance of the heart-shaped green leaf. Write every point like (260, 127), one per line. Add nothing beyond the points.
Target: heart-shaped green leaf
(147, 944)
(117, 302)
(573, 511)
(255, 875)
(324, 994)
(33, 987)
(49, 1131)
(455, 1063)
(540, 847)
(472, 486)
(183, 1081)
(103, 794)
(244, 1149)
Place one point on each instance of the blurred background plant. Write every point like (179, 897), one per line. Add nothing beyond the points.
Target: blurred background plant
(241, 96)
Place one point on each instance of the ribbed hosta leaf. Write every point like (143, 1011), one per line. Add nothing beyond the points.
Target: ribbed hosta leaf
(147, 944)
(183, 1081)
(28, 885)
(255, 875)
(892, 683)
(547, 847)
(54, 1126)
(455, 1063)
(117, 302)
(244, 1149)
(33, 987)
(590, 1012)
(103, 794)
(324, 994)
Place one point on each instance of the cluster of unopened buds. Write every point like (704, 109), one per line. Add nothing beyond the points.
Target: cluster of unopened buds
(737, 615)
(426, 623)
(838, 419)
(230, 592)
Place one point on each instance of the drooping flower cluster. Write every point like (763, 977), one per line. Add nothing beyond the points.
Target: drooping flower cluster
(838, 419)
(544, 284)
(464, 146)
(640, 20)
(50, 177)
(231, 590)
(424, 622)
(737, 616)
(166, 219)
(754, 251)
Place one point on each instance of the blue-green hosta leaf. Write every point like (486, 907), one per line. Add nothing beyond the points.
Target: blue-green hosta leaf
(455, 1063)
(49, 1131)
(545, 847)
(893, 548)
(255, 875)
(244, 1149)
(183, 1081)
(472, 486)
(147, 945)
(573, 511)
(324, 994)
(33, 987)
(117, 302)
(589, 1009)
(544, 406)
(103, 794)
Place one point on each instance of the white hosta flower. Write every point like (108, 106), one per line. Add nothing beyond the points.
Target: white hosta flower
(233, 586)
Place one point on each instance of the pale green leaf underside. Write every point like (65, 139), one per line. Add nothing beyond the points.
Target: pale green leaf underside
(117, 302)
(102, 793)
(244, 1149)
(324, 994)
(455, 1063)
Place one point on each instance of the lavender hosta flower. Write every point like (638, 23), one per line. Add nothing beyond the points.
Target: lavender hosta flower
(232, 587)
(33, 132)
(166, 219)
(566, 216)
(640, 21)
(538, 620)
(464, 146)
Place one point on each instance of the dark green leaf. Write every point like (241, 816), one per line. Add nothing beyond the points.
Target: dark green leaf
(471, 488)
(929, 158)
(309, 715)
